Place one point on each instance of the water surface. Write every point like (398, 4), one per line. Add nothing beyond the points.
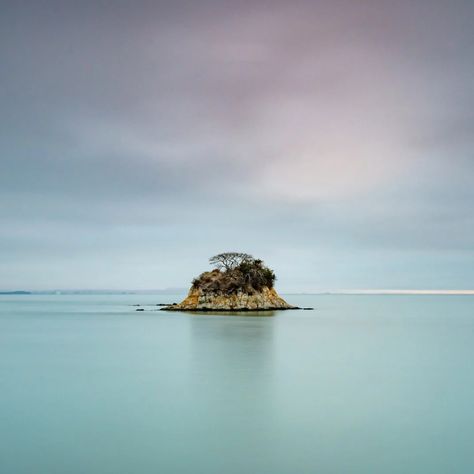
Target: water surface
(362, 384)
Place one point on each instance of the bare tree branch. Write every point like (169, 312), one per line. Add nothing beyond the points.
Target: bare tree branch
(230, 260)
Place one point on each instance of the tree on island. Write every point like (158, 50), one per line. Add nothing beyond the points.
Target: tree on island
(235, 272)
(229, 260)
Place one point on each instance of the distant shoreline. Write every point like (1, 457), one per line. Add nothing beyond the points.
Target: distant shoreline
(171, 291)
(402, 292)
(179, 291)
(20, 292)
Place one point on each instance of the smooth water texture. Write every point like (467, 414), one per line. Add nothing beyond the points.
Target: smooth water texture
(362, 384)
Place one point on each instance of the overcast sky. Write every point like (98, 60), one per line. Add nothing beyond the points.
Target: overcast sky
(334, 139)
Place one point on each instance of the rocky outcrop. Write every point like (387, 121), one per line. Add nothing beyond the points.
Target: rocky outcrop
(239, 283)
(201, 300)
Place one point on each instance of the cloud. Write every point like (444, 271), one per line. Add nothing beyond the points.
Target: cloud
(302, 132)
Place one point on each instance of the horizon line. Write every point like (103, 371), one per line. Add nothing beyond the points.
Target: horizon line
(371, 291)
(360, 291)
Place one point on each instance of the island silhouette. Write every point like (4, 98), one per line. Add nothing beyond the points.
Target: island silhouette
(239, 282)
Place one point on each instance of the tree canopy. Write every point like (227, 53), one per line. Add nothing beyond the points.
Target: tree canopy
(229, 260)
(235, 271)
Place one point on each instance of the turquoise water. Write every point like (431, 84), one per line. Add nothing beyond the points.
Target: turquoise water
(363, 384)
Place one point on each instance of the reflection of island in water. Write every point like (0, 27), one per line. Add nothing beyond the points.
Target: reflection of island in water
(238, 283)
(232, 372)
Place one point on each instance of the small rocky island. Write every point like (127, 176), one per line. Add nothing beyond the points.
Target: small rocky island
(238, 282)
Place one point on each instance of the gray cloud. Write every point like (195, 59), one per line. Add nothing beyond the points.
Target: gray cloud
(332, 138)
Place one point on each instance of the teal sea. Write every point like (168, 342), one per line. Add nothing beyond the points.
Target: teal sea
(362, 384)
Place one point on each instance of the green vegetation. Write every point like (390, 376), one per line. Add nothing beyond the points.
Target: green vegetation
(235, 272)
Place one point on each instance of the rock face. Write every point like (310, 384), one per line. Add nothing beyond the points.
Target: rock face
(201, 300)
(239, 283)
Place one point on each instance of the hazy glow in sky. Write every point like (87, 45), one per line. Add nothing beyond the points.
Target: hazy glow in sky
(334, 139)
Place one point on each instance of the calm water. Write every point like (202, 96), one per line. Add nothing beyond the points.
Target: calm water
(364, 384)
